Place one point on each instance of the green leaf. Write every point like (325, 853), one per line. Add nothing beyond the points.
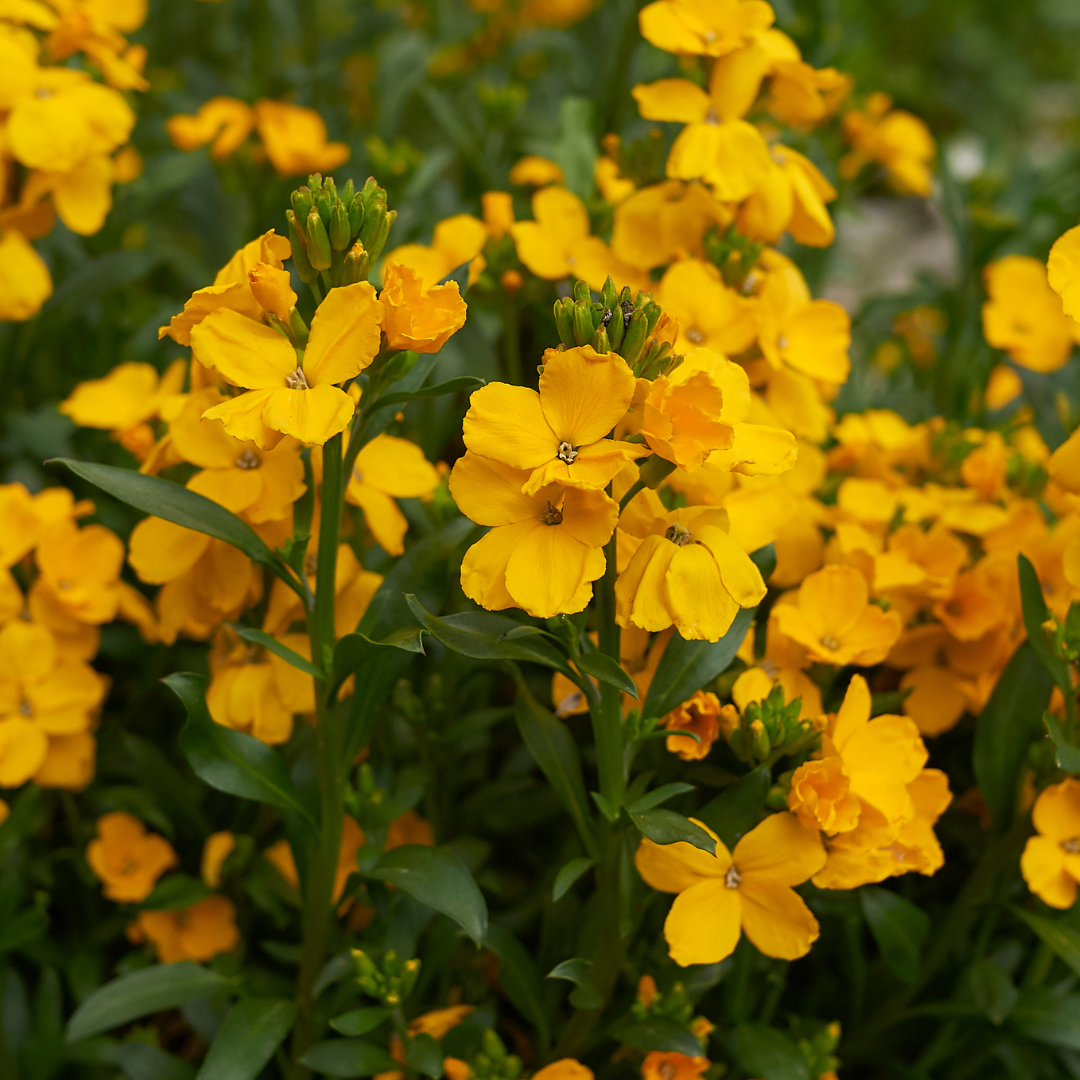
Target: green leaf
(360, 1021)
(659, 795)
(23, 929)
(568, 875)
(602, 667)
(687, 666)
(424, 1054)
(349, 1057)
(271, 643)
(253, 1029)
(658, 1033)
(577, 971)
(519, 978)
(1061, 938)
(1066, 755)
(1009, 722)
(164, 986)
(1048, 1017)
(230, 760)
(485, 636)
(667, 827)
(553, 748)
(140, 1061)
(356, 649)
(992, 990)
(899, 928)
(1033, 605)
(175, 892)
(438, 878)
(767, 1053)
(175, 503)
(739, 807)
(451, 386)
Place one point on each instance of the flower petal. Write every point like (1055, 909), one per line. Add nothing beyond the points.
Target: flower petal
(703, 925)
(345, 335)
(779, 848)
(247, 353)
(775, 918)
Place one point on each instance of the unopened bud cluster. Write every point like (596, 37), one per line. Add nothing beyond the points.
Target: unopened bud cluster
(391, 985)
(618, 322)
(771, 728)
(1064, 637)
(734, 255)
(338, 234)
(819, 1051)
(492, 1062)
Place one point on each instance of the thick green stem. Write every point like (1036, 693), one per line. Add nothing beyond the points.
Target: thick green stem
(511, 343)
(323, 850)
(607, 720)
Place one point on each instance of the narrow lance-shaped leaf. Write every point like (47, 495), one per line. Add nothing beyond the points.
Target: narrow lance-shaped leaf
(603, 667)
(247, 1039)
(271, 644)
(451, 386)
(667, 827)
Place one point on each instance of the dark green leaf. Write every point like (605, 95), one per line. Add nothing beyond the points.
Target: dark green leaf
(164, 986)
(253, 1029)
(1061, 938)
(267, 641)
(424, 1054)
(175, 503)
(554, 750)
(667, 827)
(413, 379)
(141, 1061)
(24, 928)
(1048, 1017)
(1008, 724)
(451, 386)
(486, 636)
(1066, 755)
(356, 649)
(568, 875)
(1035, 614)
(175, 892)
(230, 760)
(349, 1057)
(519, 978)
(360, 1021)
(687, 666)
(602, 667)
(739, 807)
(659, 795)
(899, 928)
(438, 878)
(992, 990)
(658, 1033)
(577, 971)
(767, 1053)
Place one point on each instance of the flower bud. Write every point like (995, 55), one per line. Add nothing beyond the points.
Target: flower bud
(581, 291)
(584, 326)
(301, 202)
(376, 228)
(615, 324)
(299, 250)
(340, 230)
(600, 341)
(634, 338)
(356, 265)
(347, 193)
(272, 290)
(315, 181)
(324, 203)
(356, 214)
(564, 320)
(759, 739)
(609, 297)
(318, 249)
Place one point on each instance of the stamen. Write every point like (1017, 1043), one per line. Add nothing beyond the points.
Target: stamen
(567, 453)
(830, 642)
(248, 460)
(782, 342)
(297, 380)
(695, 335)
(1071, 846)
(679, 535)
(552, 515)
(26, 709)
(732, 879)
(712, 117)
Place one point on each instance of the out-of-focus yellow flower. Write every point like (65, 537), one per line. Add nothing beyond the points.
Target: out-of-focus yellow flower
(281, 858)
(1063, 271)
(671, 1065)
(199, 932)
(791, 198)
(498, 209)
(295, 139)
(898, 141)
(456, 240)
(416, 316)
(1003, 387)
(127, 859)
(612, 184)
(1024, 316)
(535, 171)
(709, 314)
(218, 847)
(701, 27)
(801, 95)
(25, 281)
(1051, 860)
(130, 394)
(747, 890)
(81, 570)
(1064, 464)
(543, 550)
(224, 122)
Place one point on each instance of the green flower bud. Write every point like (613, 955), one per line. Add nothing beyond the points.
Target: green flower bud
(564, 320)
(318, 249)
(347, 193)
(581, 291)
(378, 241)
(340, 230)
(584, 326)
(759, 739)
(615, 324)
(609, 297)
(356, 214)
(634, 337)
(356, 265)
(600, 341)
(315, 181)
(301, 201)
(324, 203)
(299, 252)
(653, 311)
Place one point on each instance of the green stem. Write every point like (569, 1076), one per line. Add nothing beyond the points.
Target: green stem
(511, 343)
(607, 720)
(323, 851)
(635, 487)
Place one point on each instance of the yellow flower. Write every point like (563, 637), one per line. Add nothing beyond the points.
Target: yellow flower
(801, 95)
(1063, 270)
(417, 316)
(1064, 464)
(898, 141)
(1003, 387)
(130, 394)
(290, 393)
(81, 570)
(25, 282)
(127, 859)
(1025, 317)
(534, 171)
(281, 858)
(1051, 860)
(701, 716)
(709, 314)
(703, 27)
(218, 847)
(821, 796)
(456, 240)
(295, 139)
(833, 619)
(557, 435)
(687, 573)
(792, 197)
(748, 890)
(199, 932)
(542, 551)
(223, 121)
(671, 1065)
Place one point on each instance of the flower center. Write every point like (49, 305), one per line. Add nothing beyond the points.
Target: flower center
(778, 155)
(357, 475)
(732, 879)
(248, 460)
(27, 710)
(954, 608)
(712, 117)
(567, 453)
(667, 1071)
(695, 335)
(709, 36)
(43, 93)
(830, 642)
(1071, 846)
(781, 342)
(297, 380)
(679, 535)
(552, 515)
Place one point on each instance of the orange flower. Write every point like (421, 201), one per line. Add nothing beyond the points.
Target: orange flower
(295, 139)
(127, 859)
(416, 317)
(699, 715)
(668, 1065)
(200, 932)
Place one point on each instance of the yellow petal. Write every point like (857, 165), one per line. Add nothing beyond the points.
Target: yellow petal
(345, 334)
(545, 571)
(675, 867)
(536, 249)
(703, 925)
(242, 417)
(23, 746)
(387, 523)
(312, 415)
(561, 214)
(775, 918)
(701, 608)
(25, 283)
(1063, 270)
(483, 570)
(740, 575)
(247, 353)
(160, 551)
(584, 394)
(677, 100)
(506, 423)
(489, 492)
(397, 467)
(781, 849)
(1057, 810)
(83, 196)
(1042, 864)
(121, 400)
